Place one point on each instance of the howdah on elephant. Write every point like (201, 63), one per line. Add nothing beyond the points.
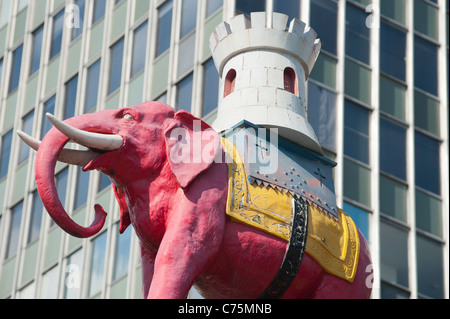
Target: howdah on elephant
(181, 208)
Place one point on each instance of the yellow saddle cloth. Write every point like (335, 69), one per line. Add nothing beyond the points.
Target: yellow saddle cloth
(333, 243)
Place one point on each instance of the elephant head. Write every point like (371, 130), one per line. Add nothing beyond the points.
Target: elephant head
(131, 145)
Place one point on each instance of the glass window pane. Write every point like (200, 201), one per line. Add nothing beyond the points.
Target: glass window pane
(428, 213)
(357, 81)
(392, 97)
(427, 171)
(50, 283)
(322, 115)
(430, 273)
(72, 287)
(290, 8)
(97, 264)
(122, 254)
(393, 254)
(184, 94)
(61, 185)
(14, 230)
(82, 187)
(49, 107)
(27, 127)
(426, 113)
(392, 148)
(37, 49)
(357, 34)
(139, 49)
(212, 6)
(392, 51)
(99, 10)
(188, 16)
(320, 11)
(77, 29)
(93, 77)
(426, 18)
(393, 9)
(36, 218)
(164, 27)
(210, 87)
(115, 68)
(248, 6)
(16, 65)
(425, 65)
(71, 97)
(186, 57)
(356, 132)
(393, 198)
(391, 292)
(356, 182)
(5, 10)
(5, 153)
(1, 70)
(324, 70)
(104, 182)
(57, 31)
(360, 218)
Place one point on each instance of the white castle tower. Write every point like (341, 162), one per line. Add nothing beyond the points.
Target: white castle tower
(263, 66)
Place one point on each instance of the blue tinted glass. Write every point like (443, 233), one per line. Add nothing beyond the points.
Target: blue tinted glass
(164, 27)
(71, 97)
(5, 152)
(357, 34)
(76, 31)
(116, 66)
(188, 16)
(61, 185)
(425, 65)
(184, 94)
(427, 163)
(325, 10)
(356, 132)
(15, 71)
(57, 32)
(392, 51)
(49, 107)
(14, 230)
(92, 86)
(37, 48)
(122, 254)
(36, 218)
(104, 182)
(360, 217)
(248, 6)
(99, 10)
(82, 186)
(139, 49)
(27, 127)
(212, 6)
(430, 272)
(97, 264)
(290, 8)
(392, 149)
(210, 87)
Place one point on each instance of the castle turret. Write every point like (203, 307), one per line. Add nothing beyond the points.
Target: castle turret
(263, 66)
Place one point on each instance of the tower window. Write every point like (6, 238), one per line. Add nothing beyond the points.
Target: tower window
(229, 82)
(290, 81)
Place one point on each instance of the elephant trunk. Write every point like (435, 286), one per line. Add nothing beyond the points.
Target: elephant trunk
(47, 155)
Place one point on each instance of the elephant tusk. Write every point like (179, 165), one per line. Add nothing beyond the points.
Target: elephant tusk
(103, 142)
(74, 157)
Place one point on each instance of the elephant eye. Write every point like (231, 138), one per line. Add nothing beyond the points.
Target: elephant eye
(128, 117)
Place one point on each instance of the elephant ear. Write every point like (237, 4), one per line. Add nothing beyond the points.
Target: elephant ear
(191, 146)
(124, 213)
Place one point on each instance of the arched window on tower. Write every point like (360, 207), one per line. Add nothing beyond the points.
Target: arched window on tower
(229, 82)
(290, 81)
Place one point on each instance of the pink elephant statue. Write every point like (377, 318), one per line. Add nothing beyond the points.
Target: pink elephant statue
(177, 208)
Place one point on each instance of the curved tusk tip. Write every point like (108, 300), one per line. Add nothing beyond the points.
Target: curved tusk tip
(50, 116)
(30, 141)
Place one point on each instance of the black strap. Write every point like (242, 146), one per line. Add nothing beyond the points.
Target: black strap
(294, 253)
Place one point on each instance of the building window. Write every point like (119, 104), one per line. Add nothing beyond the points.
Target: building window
(37, 49)
(57, 32)
(212, 6)
(356, 132)
(5, 8)
(289, 8)
(164, 27)
(392, 149)
(5, 153)
(50, 283)
(104, 182)
(184, 94)
(393, 198)
(70, 99)
(15, 69)
(61, 185)
(115, 74)
(248, 6)
(93, 77)
(426, 112)
(81, 188)
(357, 34)
(428, 213)
(392, 51)
(14, 230)
(427, 170)
(1, 70)
(36, 218)
(230, 81)
(425, 65)
(290, 81)
(27, 127)
(77, 28)
(49, 107)
(392, 97)
(72, 288)
(188, 16)
(210, 87)
(430, 272)
(426, 17)
(99, 10)
(97, 269)
(360, 217)
(325, 10)
(139, 49)
(122, 254)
